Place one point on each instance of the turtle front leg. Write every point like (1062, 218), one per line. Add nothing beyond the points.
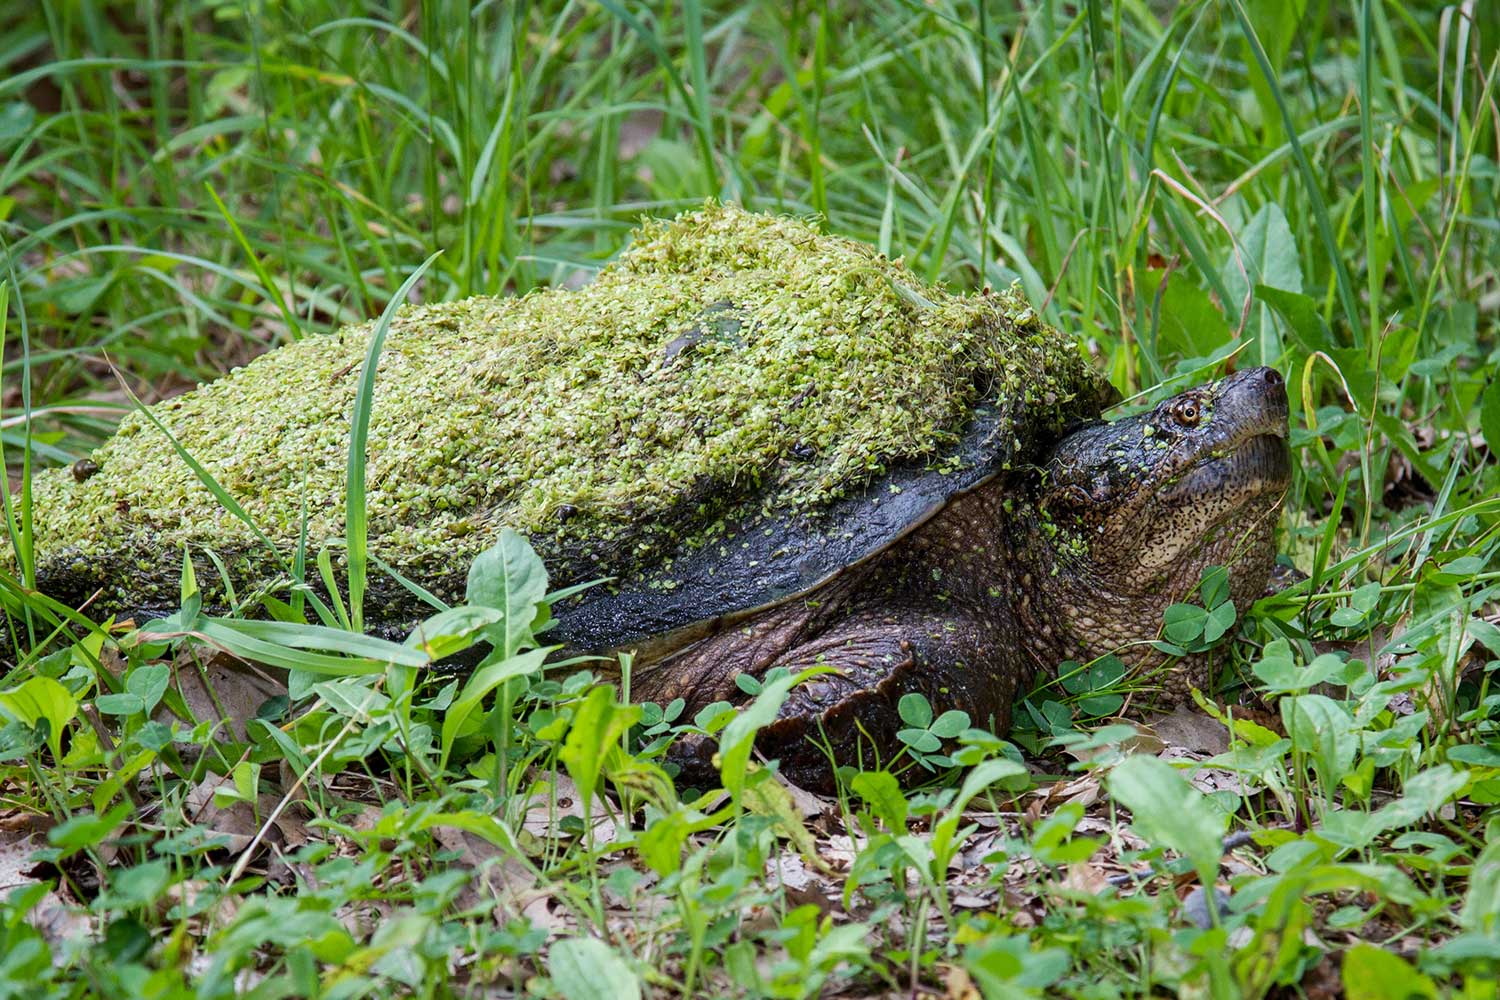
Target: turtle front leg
(956, 659)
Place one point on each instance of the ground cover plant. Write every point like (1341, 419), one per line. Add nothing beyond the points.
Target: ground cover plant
(270, 803)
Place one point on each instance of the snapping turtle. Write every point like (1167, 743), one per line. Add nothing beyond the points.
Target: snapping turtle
(780, 447)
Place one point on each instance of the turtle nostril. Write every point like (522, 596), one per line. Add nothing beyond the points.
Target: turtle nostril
(1273, 377)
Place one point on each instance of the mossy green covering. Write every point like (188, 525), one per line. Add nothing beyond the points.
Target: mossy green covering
(725, 360)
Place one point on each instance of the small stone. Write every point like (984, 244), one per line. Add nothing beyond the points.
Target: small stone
(1195, 907)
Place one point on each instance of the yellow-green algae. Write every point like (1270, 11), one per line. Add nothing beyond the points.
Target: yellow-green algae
(725, 358)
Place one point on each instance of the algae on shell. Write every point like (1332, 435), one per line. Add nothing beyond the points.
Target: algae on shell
(725, 361)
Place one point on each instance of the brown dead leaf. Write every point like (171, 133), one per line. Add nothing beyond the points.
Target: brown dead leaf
(545, 912)
(238, 821)
(1212, 779)
(1190, 729)
(970, 900)
(801, 884)
(1144, 741)
(15, 859)
(840, 850)
(506, 878)
(217, 686)
(16, 822)
(1083, 789)
(972, 856)
(1118, 834)
(52, 917)
(191, 894)
(363, 917)
(959, 985)
(555, 797)
(1023, 906)
(366, 819)
(1085, 877)
(810, 805)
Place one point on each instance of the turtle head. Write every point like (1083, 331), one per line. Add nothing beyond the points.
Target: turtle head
(1139, 507)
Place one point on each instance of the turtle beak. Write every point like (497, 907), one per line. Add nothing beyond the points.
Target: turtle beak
(1253, 402)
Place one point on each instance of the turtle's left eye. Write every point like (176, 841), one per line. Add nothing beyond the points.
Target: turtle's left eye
(1187, 413)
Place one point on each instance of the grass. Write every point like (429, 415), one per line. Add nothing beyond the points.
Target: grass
(186, 184)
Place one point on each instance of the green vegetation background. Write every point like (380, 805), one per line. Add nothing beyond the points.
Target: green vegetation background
(1312, 185)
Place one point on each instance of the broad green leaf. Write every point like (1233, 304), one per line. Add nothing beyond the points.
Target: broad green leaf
(920, 740)
(1346, 617)
(1481, 909)
(597, 726)
(87, 829)
(481, 825)
(917, 850)
(1365, 598)
(452, 631)
(352, 700)
(1302, 316)
(1382, 879)
(843, 942)
(1015, 966)
(985, 774)
(1486, 634)
(510, 578)
(738, 738)
(589, 969)
(1213, 586)
(949, 724)
(915, 710)
(1268, 256)
(149, 682)
(1373, 973)
(16, 120)
(1489, 416)
(119, 704)
(481, 683)
(104, 793)
(883, 792)
(1423, 795)
(1184, 623)
(1166, 810)
(1279, 672)
(244, 787)
(1324, 731)
(1479, 754)
(660, 846)
(1187, 321)
(1218, 621)
(41, 698)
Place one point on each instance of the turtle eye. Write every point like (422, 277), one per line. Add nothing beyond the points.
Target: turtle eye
(1187, 413)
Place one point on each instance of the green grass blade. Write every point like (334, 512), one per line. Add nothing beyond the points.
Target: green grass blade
(226, 500)
(356, 520)
(702, 129)
(1310, 181)
(267, 284)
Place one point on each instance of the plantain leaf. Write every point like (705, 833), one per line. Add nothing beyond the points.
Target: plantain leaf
(509, 577)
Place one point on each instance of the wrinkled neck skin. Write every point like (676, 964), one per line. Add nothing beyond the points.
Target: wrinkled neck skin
(1123, 518)
(1080, 607)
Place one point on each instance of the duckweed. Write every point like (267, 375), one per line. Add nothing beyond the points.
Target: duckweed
(726, 361)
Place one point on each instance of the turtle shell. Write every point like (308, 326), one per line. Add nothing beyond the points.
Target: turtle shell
(733, 410)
